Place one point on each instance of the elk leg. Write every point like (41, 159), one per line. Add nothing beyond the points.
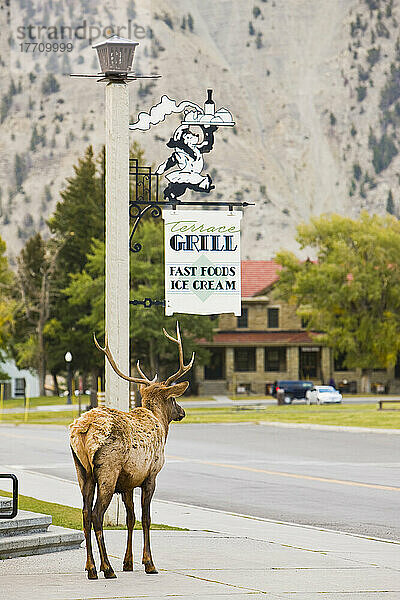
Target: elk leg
(87, 486)
(105, 493)
(88, 495)
(127, 498)
(148, 488)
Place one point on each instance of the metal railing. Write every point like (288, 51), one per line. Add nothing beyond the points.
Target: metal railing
(13, 513)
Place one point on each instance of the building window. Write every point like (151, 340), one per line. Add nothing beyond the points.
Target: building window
(19, 389)
(397, 368)
(338, 362)
(304, 322)
(243, 319)
(310, 363)
(273, 318)
(245, 359)
(275, 359)
(216, 366)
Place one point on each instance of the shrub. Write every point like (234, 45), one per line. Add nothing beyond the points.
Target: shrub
(372, 4)
(382, 30)
(373, 56)
(357, 171)
(19, 169)
(50, 85)
(361, 93)
(391, 92)
(390, 203)
(383, 151)
(362, 74)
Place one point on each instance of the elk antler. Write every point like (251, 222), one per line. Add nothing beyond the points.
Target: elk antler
(107, 352)
(182, 367)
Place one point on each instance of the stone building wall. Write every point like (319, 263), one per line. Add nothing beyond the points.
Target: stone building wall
(257, 381)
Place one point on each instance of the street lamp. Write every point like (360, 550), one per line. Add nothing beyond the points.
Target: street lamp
(68, 360)
(115, 56)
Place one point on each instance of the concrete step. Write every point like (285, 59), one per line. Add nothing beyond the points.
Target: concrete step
(24, 523)
(55, 539)
(32, 533)
(211, 388)
(5, 505)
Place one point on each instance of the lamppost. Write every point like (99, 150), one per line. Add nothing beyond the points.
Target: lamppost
(115, 56)
(68, 360)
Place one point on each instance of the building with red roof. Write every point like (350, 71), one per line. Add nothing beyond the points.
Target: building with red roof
(267, 343)
(258, 275)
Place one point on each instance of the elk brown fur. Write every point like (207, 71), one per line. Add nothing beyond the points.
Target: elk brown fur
(116, 451)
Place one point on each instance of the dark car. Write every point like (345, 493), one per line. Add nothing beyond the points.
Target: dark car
(291, 390)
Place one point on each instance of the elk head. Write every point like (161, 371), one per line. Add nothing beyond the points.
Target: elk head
(163, 393)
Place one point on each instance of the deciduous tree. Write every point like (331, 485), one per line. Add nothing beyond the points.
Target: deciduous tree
(351, 292)
(7, 304)
(36, 269)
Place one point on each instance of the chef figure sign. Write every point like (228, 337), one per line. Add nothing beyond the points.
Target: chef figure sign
(188, 158)
(188, 146)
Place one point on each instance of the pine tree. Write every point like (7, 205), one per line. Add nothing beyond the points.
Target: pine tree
(79, 217)
(390, 203)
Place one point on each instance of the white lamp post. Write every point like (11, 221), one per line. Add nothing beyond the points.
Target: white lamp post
(116, 56)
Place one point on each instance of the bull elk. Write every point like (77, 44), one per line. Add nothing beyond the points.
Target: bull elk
(116, 451)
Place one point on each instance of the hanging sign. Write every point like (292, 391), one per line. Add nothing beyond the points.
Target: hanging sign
(202, 262)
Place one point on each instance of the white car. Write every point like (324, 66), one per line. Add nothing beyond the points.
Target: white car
(323, 394)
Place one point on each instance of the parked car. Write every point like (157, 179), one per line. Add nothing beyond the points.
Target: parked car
(291, 390)
(323, 394)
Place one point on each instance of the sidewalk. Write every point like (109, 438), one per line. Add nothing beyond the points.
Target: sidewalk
(223, 555)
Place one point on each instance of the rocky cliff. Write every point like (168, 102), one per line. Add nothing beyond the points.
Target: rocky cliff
(314, 86)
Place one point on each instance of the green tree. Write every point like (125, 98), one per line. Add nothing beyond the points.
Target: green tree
(390, 203)
(147, 281)
(7, 305)
(79, 216)
(351, 292)
(77, 221)
(36, 270)
(50, 85)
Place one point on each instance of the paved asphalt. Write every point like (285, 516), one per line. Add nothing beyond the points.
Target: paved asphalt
(335, 479)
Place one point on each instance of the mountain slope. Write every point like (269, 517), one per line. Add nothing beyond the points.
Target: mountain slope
(289, 72)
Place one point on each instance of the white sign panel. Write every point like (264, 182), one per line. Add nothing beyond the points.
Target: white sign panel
(202, 262)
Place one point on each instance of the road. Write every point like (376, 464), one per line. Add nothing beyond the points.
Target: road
(334, 479)
(217, 401)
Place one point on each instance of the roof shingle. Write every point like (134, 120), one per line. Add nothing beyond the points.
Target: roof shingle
(261, 337)
(258, 275)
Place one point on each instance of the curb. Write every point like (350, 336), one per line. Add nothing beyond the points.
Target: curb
(340, 428)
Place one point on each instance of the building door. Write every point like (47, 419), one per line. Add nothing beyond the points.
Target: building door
(310, 363)
(216, 366)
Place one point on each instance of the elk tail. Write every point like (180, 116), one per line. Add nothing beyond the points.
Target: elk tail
(79, 451)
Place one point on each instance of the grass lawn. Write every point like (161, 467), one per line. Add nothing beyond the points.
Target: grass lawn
(355, 415)
(251, 397)
(40, 401)
(66, 516)
(41, 418)
(362, 415)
